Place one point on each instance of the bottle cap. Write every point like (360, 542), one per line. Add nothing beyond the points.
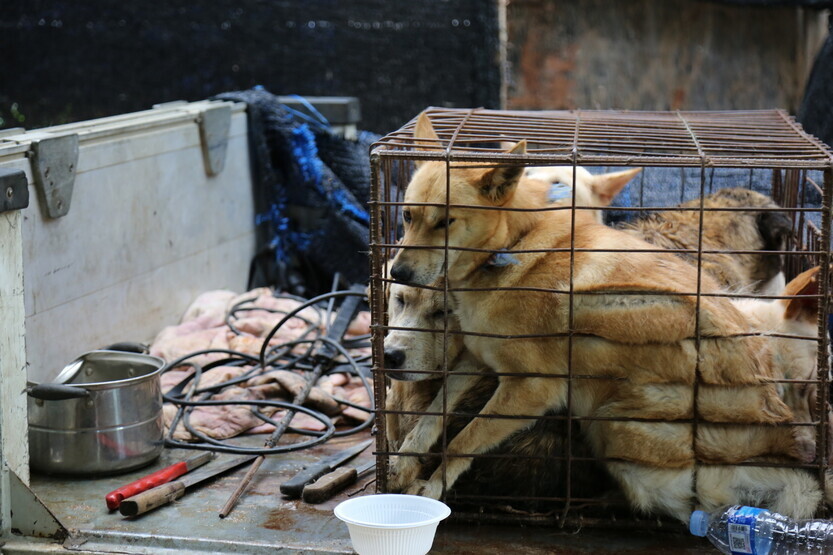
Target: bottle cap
(699, 523)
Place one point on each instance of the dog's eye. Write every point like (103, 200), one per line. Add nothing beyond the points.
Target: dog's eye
(400, 300)
(406, 215)
(440, 314)
(441, 223)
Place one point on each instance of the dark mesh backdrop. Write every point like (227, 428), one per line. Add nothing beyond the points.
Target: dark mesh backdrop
(69, 61)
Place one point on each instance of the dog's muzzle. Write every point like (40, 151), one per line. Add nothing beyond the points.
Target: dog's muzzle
(402, 273)
(395, 364)
(394, 358)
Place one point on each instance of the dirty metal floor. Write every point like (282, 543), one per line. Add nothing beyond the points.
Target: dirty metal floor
(265, 522)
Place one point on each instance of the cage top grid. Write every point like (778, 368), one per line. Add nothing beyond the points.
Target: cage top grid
(753, 139)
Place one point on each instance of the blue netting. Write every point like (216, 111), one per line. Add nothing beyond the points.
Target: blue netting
(311, 187)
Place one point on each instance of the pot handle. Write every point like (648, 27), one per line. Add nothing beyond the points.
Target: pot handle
(128, 347)
(56, 392)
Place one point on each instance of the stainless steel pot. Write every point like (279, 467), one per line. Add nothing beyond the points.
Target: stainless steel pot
(101, 415)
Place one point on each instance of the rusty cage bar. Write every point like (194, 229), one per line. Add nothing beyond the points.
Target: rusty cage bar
(747, 148)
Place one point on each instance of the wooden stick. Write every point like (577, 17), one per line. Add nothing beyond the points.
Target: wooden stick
(324, 355)
(299, 399)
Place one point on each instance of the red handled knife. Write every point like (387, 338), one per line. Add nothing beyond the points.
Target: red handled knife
(115, 497)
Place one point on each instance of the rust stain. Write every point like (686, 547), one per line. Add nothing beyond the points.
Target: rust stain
(547, 76)
(290, 514)
(559, 70)
(530, 60)
(678, 98)
(279, 519)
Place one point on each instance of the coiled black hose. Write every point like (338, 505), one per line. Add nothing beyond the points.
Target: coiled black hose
(284, 356)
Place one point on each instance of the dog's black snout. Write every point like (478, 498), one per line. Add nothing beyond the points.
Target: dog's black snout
(394, 358)
(402, 273)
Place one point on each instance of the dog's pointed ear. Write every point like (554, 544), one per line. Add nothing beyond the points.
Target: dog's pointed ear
(499, 183)
(806, 283)
(607, 185)
(425, 136)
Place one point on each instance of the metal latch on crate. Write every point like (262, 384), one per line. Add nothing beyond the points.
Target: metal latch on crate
(214, 123)
(14, 190)
(54, 160)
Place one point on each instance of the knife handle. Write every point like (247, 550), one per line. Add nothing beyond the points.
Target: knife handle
(152, 498)
(329, 485)
(115, 497)
(293, 487)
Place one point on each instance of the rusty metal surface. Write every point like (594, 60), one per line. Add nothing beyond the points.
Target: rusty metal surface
(752, 139)
(264, 522)
(263, 517)
(646, 55)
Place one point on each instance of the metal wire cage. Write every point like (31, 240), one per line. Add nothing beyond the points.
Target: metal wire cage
(551, 475)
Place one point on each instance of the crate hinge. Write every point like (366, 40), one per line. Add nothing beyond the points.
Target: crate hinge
(14, 190)
(214, 123)
(29, 516)
(54, 162)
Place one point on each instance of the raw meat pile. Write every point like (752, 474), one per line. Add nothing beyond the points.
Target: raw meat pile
(207, 325)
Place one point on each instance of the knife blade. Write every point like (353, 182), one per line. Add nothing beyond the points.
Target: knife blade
(171, 491)
(293, 487)
(115, 497)
(330, 484)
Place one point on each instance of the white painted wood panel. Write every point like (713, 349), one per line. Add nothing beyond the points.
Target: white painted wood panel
(134, 310)
(147, 231)
(130, 217)
(14, 446)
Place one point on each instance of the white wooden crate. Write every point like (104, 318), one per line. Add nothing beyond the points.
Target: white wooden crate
(148, 229)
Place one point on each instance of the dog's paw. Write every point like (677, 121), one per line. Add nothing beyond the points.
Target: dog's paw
(426, 488)
(805, 445)
(403, 472)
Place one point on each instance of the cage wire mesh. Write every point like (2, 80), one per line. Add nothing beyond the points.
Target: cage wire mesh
(553, 469)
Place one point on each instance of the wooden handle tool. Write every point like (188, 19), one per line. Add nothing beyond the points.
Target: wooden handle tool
(172, 491)
(330, 484)
(115, 497)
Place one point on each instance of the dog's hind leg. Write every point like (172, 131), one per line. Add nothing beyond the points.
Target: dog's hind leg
(655, 490)
(514, 397)
(405, 469)
(790, 491)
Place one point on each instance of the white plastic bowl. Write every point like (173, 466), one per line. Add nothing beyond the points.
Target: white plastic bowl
(387, 524)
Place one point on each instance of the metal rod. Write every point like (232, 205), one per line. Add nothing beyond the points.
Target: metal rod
(299, 399)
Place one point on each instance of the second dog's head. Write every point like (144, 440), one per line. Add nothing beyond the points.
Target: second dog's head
(561, 183)
(409, 350)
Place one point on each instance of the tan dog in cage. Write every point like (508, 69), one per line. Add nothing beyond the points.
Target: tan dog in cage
(636, 319)
(414, 308)
(793, 492)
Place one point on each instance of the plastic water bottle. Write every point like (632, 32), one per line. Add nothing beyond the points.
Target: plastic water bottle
(752, 531)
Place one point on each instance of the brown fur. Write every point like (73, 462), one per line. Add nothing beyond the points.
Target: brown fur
(725, 230)
(638, 314)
